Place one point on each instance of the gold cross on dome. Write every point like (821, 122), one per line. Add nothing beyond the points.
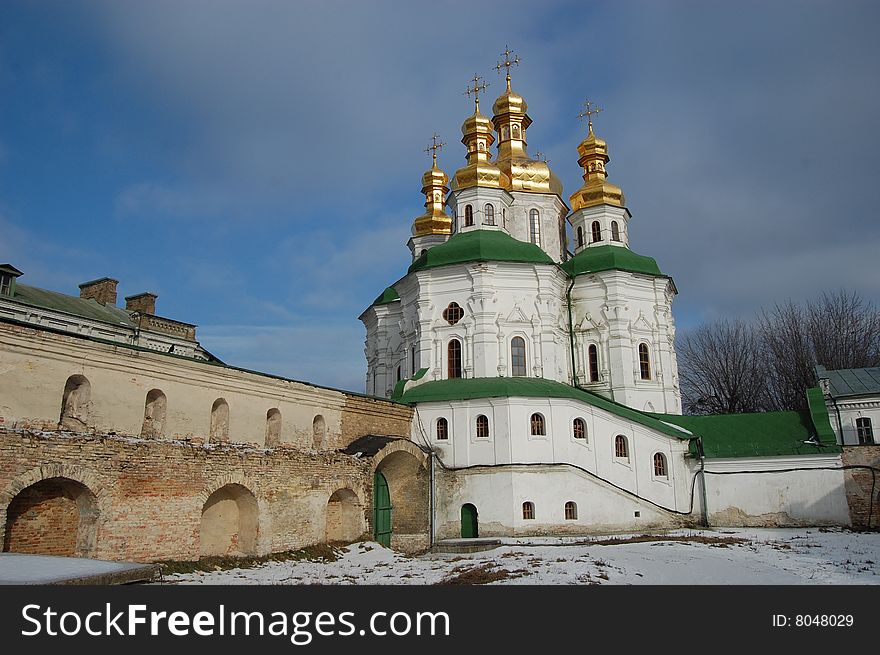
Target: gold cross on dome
(436, 145)
(507, 63)
(541, 156)
(479, 85)
(588, 113)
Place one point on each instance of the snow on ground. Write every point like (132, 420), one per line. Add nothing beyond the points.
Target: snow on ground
(763, 556)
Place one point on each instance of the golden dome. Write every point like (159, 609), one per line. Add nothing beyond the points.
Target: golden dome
(435, 220)
(597, 190)
(478, 138)
(523, 172)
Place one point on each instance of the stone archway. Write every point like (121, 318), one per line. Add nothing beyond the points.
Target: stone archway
(345, 517)
(404, 468)
(53, 516)
(230, 523)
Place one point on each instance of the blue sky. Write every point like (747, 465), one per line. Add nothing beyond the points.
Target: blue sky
(257, 164)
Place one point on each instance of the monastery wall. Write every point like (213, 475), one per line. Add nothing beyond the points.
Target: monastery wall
(863, 485)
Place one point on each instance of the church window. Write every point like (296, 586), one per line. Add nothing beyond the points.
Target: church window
(398, 374)
(454, 358)
(518, 357)
(5, 284)
(621, 451)
(660, 465)
(865, 430)
(644, 362)
(596, 230)
(490, 214)
(615, 231)
(580, 237)
(535, 227)
(423, 253)
(442, 429)
(412, 354)
(515, 130)
(482, 427)
(468, 215)
(593, 357)
(571, 511)
(505, 133)
(453, 313)
(579, 427)
(529, 510)
(537, 424)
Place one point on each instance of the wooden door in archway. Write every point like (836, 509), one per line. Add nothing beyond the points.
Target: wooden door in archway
(381, 510)
(469, 526)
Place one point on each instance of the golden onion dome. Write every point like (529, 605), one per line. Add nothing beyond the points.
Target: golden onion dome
(480, 171)
(435, 220)
(509, 102)
(596, 190)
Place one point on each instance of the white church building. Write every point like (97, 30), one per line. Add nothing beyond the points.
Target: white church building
(543, 373)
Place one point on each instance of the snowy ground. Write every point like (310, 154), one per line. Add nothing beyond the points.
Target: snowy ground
(763, 556)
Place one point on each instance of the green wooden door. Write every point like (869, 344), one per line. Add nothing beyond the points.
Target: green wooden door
(381, 510)
(469, 527)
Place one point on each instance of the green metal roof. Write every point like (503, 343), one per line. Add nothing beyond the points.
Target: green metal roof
(851, 381)
(763, 434)
(471, 388)
(610, 258)
(388, 296)
(480, 246)
(90, 309)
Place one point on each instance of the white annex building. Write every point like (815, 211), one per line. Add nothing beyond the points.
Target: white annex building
(543, 373)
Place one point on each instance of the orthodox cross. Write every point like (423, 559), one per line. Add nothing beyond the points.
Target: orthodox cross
(588, 113)
(436, 145)
(540, 155)
(478, 86)
(507, 63)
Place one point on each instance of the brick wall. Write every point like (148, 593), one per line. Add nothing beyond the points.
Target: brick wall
(860, 483)
(149, 495)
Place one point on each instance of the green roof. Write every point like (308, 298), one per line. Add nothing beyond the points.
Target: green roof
(480, 246)
(610, 258)
(471, 388)
(763, 434)
(389, 295)
(90, 309)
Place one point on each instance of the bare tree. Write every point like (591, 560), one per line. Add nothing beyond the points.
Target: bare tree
(722, 370)
(735, 366)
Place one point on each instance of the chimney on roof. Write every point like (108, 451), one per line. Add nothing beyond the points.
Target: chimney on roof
(102, 290)
(142, 303)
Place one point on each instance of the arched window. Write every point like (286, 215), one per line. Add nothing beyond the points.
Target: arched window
(537, 424)
(490, 214)
(660, 465)
(597, 231)
(468, 215)
(535, 227)
(528, 510)
(154, 415)
(75, 403)
(518, 357)
(571, 511)
(580, 237)
(442, 429)
(219, 420)
(453, 353)
(273, 427)
(482, 427)
(644, 362)
(615, 231)
(319, 432)
(593, 357)
(579, 428)
(398, 374)
(620, 447)
(865, 430)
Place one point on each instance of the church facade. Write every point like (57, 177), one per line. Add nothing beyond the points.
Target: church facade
(543, 373)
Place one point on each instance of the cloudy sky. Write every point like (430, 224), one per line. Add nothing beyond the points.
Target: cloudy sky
(257, 164)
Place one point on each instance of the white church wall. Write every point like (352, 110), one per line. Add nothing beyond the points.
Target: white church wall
(814, 496)
(850, 411)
